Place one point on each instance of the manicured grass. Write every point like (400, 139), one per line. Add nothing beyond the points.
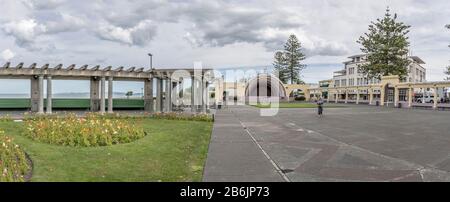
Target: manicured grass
(172, 151)
(299, 105)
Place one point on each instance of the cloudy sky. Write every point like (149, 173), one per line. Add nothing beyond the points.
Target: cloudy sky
(222, 33)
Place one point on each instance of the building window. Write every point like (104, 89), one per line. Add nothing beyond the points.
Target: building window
(337, 83)
(351, 70)
(351, 82)
(344, 82)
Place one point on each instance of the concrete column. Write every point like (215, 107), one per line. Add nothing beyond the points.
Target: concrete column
(396, 96)
(175, 90)
(49, 94)
(102, 95)
(41, 95)
(95, 94)
(410, 96)
(357, 96)
(336, 97)
(159, 85)
(204, 92)
(193, 91)
(423, 95)
(370, 96)
(168, 98)
(148, 95)
(207, 96)
(182, 90)
(110, 94)
(435, 99)
(34, 81)
(346, 96)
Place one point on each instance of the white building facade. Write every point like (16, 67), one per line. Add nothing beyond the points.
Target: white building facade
(350, 75)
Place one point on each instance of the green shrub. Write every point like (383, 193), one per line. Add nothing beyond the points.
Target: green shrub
(13, 162)
(300, 98)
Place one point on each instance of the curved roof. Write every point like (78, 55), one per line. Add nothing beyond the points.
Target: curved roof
(265, 80)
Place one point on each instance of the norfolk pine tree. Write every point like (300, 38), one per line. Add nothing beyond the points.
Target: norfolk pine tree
(280, 66)
(386, 45)
(294, 56)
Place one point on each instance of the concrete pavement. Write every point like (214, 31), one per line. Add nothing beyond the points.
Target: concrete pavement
(358, 143)
(234, 156)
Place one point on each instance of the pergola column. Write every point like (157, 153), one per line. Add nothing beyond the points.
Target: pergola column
(204, 94)
(410, 96)
(396, 96)
(159, 85)
(148, 95)
(41, 94)
(34, 82)
(168, 98)
(102, 94)
(193, 91)
(49, 94)
(175, 98)
(181, 92)
(110, 94)
(435, 100)
(94, 94)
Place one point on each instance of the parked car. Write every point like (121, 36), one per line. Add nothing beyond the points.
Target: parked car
(427, 99)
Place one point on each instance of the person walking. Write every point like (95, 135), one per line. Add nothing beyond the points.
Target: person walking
(320, 107)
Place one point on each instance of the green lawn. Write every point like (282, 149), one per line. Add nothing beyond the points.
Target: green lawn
(299, 105)
(172, 151)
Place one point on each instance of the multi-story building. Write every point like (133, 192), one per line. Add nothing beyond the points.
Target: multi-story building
(351, 76)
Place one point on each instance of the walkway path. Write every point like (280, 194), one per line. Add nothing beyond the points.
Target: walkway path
(234, 156)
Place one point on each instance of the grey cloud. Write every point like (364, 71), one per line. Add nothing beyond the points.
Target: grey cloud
(44, 4)
(140, 35)
(134, 22)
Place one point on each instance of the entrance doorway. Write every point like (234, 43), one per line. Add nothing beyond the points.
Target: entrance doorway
(389, 94)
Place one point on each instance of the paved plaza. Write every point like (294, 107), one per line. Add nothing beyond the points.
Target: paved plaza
(356, 143)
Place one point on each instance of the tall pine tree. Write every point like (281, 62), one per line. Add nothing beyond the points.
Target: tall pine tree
(280, 66)
(294, 56)
(386, 45)
(288, 62)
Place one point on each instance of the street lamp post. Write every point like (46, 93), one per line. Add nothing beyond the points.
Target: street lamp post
(151, 61)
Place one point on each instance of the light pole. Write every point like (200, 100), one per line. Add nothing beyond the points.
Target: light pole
(151, 61)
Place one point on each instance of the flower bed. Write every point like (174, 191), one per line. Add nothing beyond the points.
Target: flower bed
(93, 130)
(13, 161)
